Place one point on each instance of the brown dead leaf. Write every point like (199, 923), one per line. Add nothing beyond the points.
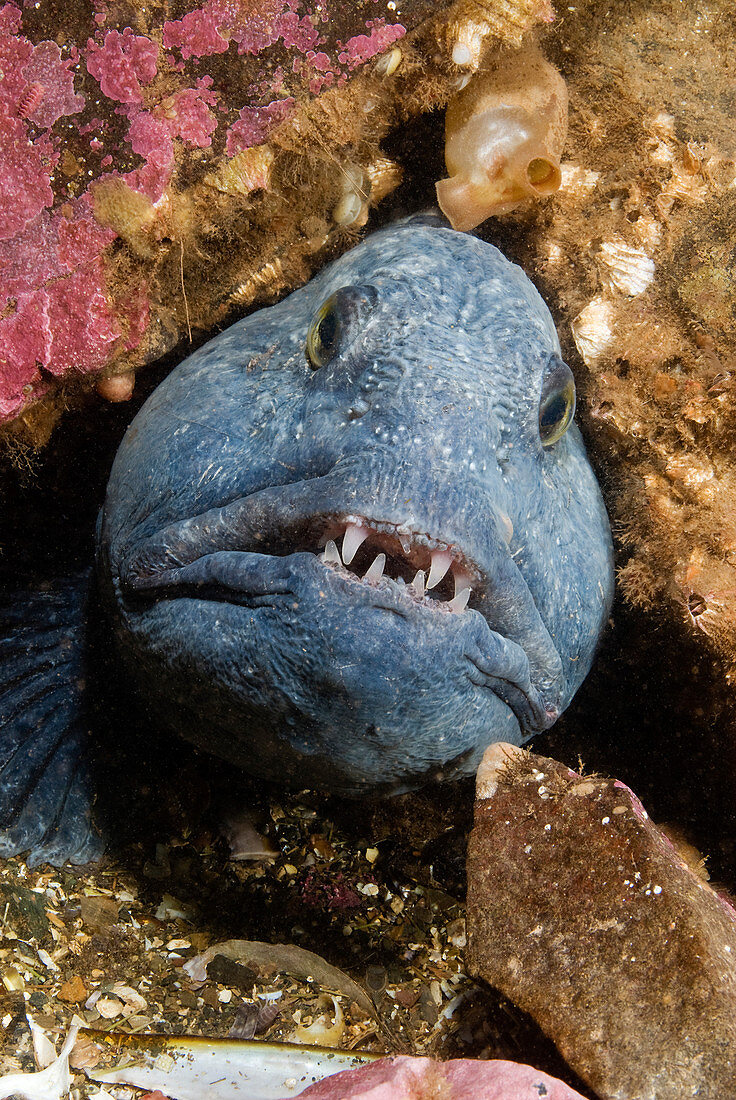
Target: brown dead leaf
(73, 991)
(285, 959)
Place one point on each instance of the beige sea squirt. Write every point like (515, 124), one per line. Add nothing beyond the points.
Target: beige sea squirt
(504, 134)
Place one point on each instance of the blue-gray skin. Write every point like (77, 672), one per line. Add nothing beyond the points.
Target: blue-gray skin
(422, 425)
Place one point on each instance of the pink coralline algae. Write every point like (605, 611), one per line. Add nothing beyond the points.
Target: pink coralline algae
(122, 64)
(253, 26)
(189, 116)
(15, 53)
(48, 331)
(10, 17)
(196, 35)
(72, 343)
(48, 270)
(48, 72)
(256, 123)
(150, 138)
(147, 112)
(362, 47)
(24, 176)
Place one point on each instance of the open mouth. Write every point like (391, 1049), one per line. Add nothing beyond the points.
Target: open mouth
(374, 554)
(279, 542)
(237, 548)
(426, 570)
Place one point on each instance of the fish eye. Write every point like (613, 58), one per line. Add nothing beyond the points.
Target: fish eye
(557, 404)
(337, 321)
(323, 337)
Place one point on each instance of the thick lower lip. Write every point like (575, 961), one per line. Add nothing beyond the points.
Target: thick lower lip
(373, 553)
(305, 579)
(253, 545)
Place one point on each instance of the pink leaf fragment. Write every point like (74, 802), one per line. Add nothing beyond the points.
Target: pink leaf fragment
(122, 64)
(407, 1078)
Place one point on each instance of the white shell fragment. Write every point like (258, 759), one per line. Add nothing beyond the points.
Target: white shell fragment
(626, 269)
(192, 1068)
(50, 1084)
(388, 63)
(592, 330)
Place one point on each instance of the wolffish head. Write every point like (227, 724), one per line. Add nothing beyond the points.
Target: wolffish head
(355, 538)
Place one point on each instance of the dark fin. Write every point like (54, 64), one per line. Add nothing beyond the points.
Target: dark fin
(45, 783)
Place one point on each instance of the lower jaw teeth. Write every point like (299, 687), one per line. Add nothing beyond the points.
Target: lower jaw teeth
(375, 572)
(459, 602)
(441, 562)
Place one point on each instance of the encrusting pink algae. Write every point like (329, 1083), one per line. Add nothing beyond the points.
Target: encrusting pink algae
(124, 105)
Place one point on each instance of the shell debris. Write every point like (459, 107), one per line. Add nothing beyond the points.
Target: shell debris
(626, 269)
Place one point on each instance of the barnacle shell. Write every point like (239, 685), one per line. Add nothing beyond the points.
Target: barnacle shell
(384, 176)
(626, 269)
(468, 44)
(247, 171)
(477, 23)
(592, 329)
(389, 62)
(352, 207)
(504, 133)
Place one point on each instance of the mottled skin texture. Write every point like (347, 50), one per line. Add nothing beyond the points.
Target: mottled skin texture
(246, 459)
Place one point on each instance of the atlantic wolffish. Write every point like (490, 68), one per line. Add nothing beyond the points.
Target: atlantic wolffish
(346, 544)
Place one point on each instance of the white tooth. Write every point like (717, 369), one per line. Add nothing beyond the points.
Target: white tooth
(462, 580)
(418, 584)
(460, 602)
(441, 562)
(355, 536)
(331, 555)
(375, 571)
(405, 543)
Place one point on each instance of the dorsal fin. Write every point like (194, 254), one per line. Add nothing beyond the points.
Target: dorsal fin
(45, 785)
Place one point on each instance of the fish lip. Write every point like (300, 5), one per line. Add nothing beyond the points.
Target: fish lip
(154, 568)
(276, 517)
(473, 635)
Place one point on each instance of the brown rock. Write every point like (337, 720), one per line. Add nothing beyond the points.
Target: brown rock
(582, 913)
(73, 990)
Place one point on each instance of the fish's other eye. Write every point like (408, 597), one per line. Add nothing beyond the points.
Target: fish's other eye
(323, 337)
(557, 403)
(337, 321)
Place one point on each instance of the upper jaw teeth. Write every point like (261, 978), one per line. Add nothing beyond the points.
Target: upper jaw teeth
(355, 536)
(441, 561)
